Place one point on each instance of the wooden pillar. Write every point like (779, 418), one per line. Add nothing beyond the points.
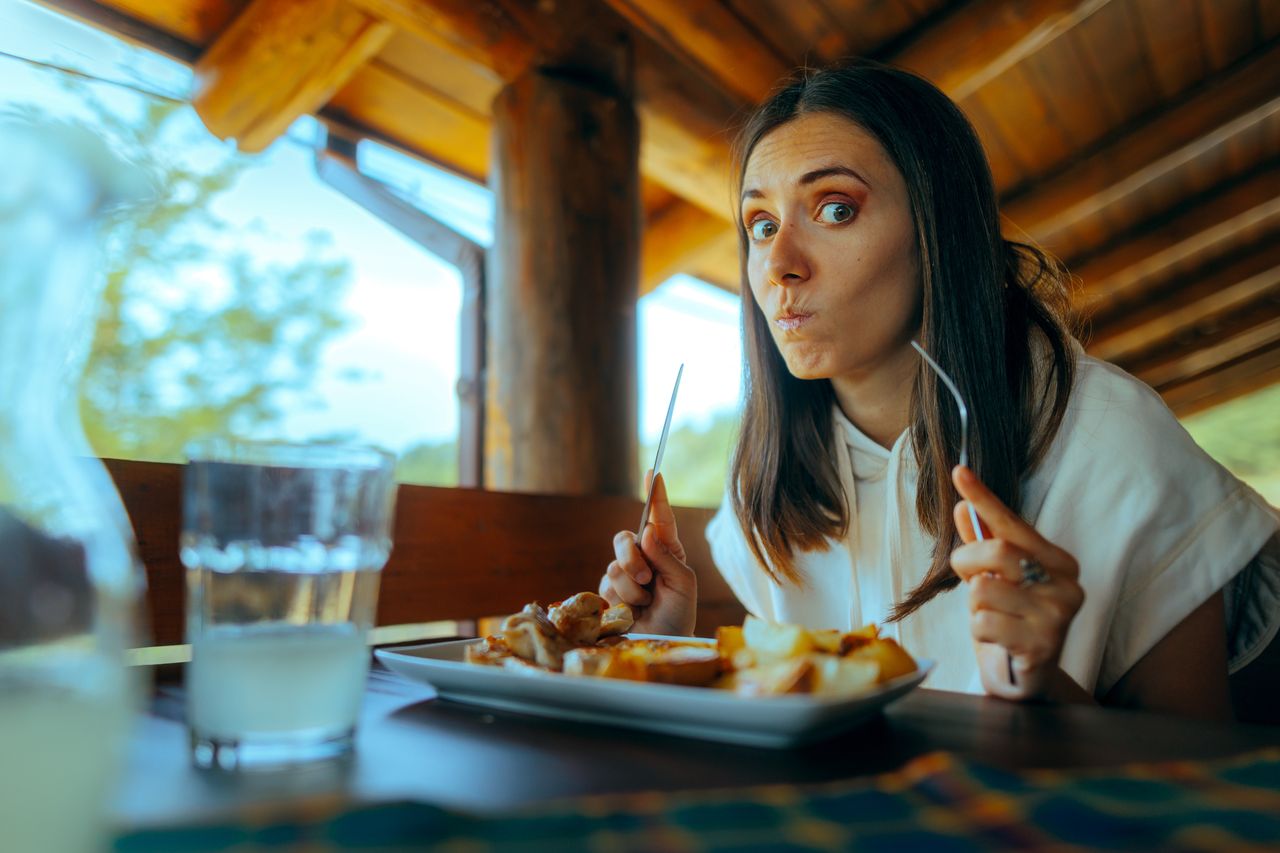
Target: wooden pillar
(564, 275)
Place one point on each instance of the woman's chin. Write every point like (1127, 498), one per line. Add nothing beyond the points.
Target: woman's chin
(807, 369)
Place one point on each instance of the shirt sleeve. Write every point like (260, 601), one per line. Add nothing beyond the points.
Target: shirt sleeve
(1156, 525)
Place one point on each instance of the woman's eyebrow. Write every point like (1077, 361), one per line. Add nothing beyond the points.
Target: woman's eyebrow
(827, 171)
(812, 177)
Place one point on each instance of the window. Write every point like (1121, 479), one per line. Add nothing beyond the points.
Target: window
(687, 320)
(250, 298)
(1244, 437)
(254, 299)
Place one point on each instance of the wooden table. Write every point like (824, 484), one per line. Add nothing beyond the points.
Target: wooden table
(412, 746)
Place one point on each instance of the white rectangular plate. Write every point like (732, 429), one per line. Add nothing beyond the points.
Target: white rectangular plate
(697, 712)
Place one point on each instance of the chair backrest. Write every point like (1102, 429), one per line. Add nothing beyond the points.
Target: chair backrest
(459, 554)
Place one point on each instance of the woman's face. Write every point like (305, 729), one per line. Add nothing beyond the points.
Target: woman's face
(832, 258)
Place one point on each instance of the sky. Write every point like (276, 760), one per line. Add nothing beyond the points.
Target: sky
(404, 303)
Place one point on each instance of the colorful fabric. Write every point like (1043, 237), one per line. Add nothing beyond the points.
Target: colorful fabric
(936, 803)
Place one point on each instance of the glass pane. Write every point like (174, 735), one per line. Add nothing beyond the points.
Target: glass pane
(687, 320)
(1244, 437)
(250, 299)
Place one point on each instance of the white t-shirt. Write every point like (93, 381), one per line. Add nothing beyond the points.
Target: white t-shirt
(1156, 525)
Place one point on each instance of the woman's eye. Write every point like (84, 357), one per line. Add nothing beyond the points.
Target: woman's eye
(835, 212)
(763, 229)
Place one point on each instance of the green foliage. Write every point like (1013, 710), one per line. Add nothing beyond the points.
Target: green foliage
(696, 462)
(1244, 435)
(196, 336)
(429, 464)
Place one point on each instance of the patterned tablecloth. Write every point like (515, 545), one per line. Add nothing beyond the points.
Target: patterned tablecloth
(936, 803)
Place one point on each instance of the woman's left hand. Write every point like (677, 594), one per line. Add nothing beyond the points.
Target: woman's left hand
(1023, 593)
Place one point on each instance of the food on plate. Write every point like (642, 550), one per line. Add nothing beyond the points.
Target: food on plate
(661, 661)
(583, 636)
(541, 636)
(773, 659)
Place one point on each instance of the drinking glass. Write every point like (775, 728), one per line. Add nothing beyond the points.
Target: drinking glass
(283, 546)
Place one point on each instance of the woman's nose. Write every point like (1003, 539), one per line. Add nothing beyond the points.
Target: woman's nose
(788, 261)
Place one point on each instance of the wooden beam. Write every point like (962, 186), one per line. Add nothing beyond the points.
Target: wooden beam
(277, 61)
(1245, 281)
(1257, 371)
(383, 103)
(131, 22)
(980, 41)
(482, 30)
(713, 36)
(1232, 104)
(1209, 227)
(672, 238)
(718, 263)
(1257, 328)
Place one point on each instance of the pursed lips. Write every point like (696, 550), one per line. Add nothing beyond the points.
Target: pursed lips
(791, 319)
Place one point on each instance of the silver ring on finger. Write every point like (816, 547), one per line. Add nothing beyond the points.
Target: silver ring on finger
(1032, 572)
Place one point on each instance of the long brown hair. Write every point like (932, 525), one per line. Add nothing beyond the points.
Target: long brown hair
(982, 298)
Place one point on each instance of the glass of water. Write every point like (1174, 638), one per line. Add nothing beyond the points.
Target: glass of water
(283, 546)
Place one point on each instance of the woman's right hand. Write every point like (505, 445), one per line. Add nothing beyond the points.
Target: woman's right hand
(651, 575)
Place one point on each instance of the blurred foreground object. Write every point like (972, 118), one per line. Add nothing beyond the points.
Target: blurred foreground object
(69, 579)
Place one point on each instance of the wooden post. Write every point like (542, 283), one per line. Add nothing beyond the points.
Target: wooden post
(564, 273)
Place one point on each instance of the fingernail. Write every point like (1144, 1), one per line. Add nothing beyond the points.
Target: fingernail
(644, 576)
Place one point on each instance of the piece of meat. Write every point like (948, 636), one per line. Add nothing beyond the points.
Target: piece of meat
(618, 619)
(532, 635)
(577, 618)
(491, 651)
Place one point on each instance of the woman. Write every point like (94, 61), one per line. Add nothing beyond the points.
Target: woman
(1118, 562)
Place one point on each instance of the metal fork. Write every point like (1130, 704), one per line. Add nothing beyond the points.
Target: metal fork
(964, 451)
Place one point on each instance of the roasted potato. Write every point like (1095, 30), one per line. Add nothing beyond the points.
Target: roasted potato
(771, 641)
(888, 656)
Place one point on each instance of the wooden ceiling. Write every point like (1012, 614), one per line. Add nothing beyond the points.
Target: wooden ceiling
(1139, 140)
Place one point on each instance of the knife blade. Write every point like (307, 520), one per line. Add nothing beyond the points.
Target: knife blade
(657, 461)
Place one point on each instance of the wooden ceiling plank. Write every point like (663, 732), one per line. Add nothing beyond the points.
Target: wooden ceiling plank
(1029, 129)
(437, 66)
(195, 21)
(711, 34)
(1005, 171)
(867, 24)
(143, 32)
(1209, 355)
(718, 264)
(1229, 29)
(981, 41)
(1062, 75)
(1111, 44)
(1269, 17)
(1250, 279)
(1211, 228)
(278, 61)
(672, 238)
(483, 30)
(1170, 30)
(802, 31)
(1228, 383)
(1222, 108)
(415, 119)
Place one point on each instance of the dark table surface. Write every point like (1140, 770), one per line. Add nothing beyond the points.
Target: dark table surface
(411, 745)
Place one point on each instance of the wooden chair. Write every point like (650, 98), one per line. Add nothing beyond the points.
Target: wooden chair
(459, 554)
